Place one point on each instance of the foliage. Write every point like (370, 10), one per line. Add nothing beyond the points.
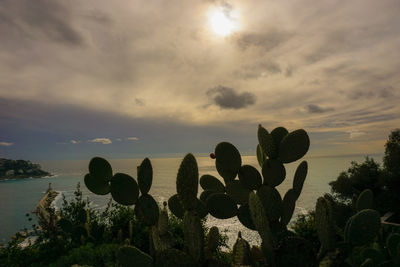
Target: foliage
(304, 226)
(367, 175)
(89, 254)
(383, 181)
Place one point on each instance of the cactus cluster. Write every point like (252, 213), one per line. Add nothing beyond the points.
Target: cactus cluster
(252, 196)
(125, 190)
(362, 236)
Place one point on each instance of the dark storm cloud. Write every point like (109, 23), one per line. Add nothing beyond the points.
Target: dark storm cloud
(313, 108)
(264, 41)
(228, 98)
(39, 19)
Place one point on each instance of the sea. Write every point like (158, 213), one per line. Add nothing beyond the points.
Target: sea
(20, 196)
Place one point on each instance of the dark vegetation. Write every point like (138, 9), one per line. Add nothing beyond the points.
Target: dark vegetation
(345, 228)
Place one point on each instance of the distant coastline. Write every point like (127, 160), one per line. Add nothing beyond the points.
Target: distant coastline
(19, 169)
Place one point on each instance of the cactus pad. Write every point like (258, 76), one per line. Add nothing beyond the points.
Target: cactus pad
(201, 208)
(294, 146)
(260, 155)
(162, 223)
(393, 243)
(324, 223)
(364, 227)
(221, 206)
(271, 201)
(266, 142)
(209, 182)
(147, 209)
(273, 172)
(277, 135)
(212, 239)
(124, 189)
(175, 206)
(365, 200)
(193, 234)
(100, 169)
(260, 221)
(288, 206)
(244, 217)
(97, 186)
(129, 255)
(228, 161)
(238, 192)
(187, 181)
(241, 252)
(145, 176)
(205, 194)
(299, 177)
(250, 177)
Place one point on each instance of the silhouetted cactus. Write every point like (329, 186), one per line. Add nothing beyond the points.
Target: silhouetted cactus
(221, 206)
(209, 182)
(227, 161)
(145, 176)
(193, 209)
(267, 206)
(365, 200)
(241, 252)
(212, 242)
(393, 245)
(294, 146)
(363, 227)
(324, 224)
(249, 177)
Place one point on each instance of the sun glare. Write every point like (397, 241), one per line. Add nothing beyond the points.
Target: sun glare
(221, 22)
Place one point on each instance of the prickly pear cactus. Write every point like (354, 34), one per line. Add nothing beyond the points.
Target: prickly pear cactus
(212, 242)
(99, 176)
(187, 182)
(266, 142)
(249, 177)
(294, 146)
(362, 227)
(145, 176)
(241, 252)
(393, 245)
(228, 161)
(193, 233)
(221, 206)
(324, 224)
(365, 200)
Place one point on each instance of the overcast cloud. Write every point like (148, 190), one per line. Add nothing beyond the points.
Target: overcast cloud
(326, 66)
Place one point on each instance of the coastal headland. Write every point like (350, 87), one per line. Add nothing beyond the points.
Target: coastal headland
(12, 169)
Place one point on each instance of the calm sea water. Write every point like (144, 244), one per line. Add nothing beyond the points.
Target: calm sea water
(18, 197)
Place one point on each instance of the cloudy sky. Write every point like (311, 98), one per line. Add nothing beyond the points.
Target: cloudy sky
(135, 78)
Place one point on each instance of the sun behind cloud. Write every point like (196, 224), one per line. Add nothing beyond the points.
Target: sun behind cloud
(223, 21)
